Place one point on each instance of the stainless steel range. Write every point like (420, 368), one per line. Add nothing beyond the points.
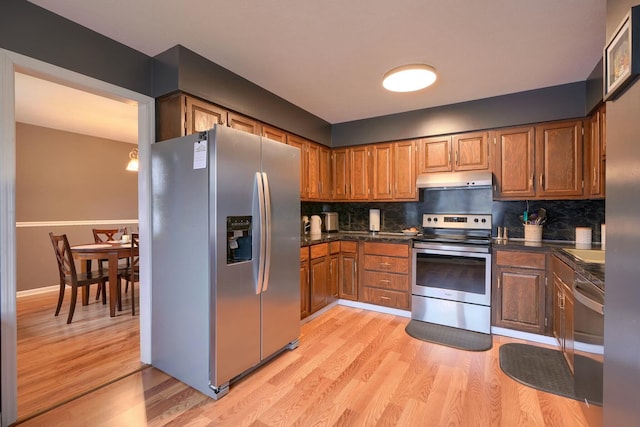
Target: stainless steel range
(451, 274)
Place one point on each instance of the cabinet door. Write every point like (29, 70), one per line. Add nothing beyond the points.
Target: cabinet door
(404, 171)
(568, 327)
(243, 123)
(334, 277)
(305, 297)
(595, 164)
(319, 271)
(514, 162)
(313, 171)
(434, 154)
(470, 151)
(559, 159)
(324, 173)
(348, 276)
(274, 134)
(382, 171)
(340, 173)
(301, 144)
(201, 116)
(359, 173)
(557, 322)
(519, 299)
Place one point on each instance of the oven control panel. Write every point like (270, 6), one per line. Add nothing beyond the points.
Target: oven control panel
(460, 221)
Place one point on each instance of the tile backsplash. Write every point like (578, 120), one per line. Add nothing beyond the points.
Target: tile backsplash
(563, 215)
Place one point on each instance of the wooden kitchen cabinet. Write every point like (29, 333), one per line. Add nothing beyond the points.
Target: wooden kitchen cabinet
(382, 171)
(274, 134)
(541, 162)
(385, 275)
(559, 159)
(319, 276)
(519, 290)
(243, 123)
(340, 174)
(348, 271)
(315, 164)
(180, 114)
(334, 272)
(324, 173)
(359, 173)
(563, 303)
(461, 152)
(595, 166)
(305, 296)
(404, 171)
(302, 145)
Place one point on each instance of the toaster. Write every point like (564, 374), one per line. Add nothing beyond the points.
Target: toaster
(329, 221)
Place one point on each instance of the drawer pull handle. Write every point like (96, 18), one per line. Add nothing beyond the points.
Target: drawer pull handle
(385, 281)
(385, 265)
(383, 297)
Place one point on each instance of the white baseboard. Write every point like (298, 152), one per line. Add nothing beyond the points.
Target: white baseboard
(36, 291)
(373, 307)
(542, 339)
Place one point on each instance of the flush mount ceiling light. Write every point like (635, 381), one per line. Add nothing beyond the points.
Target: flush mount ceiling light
(409, 78)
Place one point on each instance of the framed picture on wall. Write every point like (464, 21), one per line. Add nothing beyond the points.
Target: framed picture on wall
(621, 63)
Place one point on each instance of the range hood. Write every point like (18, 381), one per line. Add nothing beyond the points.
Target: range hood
(466, 179)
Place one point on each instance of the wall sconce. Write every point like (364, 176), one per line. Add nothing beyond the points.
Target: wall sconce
(133, 160)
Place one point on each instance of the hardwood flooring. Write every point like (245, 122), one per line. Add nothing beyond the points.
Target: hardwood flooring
(57, 362)
(353, 368)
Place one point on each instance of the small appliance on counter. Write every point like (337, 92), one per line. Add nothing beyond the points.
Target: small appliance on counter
(316, 228)
(329, 222)
(374, 220)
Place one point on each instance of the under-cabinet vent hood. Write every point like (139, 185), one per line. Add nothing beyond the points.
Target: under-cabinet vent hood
(467, 179)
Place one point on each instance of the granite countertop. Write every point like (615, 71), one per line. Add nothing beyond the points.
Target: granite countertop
(307, 239)
(590, 271)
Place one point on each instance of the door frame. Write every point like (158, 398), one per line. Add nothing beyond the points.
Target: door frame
(10, 62)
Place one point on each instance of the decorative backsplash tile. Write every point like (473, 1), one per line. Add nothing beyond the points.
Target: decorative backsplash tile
(563, 215)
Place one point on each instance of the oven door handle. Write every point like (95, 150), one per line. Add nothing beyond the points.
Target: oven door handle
(484, 255)
(585, 300)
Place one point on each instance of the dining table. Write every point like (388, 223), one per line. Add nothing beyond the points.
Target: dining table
(112, 251)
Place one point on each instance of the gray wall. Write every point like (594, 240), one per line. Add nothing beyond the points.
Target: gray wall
(622, 317)
(554, 103)
(63, 176)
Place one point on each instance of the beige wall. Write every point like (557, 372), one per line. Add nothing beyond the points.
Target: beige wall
(62, 176)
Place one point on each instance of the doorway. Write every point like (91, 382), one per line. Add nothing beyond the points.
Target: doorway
(11, 62)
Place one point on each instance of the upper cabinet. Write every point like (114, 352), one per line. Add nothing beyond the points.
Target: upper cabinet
(404, 172)
(359, 173)
(545, 161)
(340, 172)
(461, 152)
(315, 164)
(243, 123)
(595, 165)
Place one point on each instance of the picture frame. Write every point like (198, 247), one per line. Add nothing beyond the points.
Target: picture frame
(621, 62)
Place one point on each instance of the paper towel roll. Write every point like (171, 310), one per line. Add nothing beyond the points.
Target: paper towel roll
(603, 235)
(374, 219)
(583, 235)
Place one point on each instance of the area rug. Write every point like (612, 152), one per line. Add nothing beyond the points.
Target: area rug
(542, 368)
(451, 337)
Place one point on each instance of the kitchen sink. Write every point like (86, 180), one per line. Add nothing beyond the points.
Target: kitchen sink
(592, 256)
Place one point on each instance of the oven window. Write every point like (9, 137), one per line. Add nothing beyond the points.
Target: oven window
(454, 273)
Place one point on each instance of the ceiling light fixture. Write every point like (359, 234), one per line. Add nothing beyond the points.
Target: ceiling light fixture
(409, 78)
(133, 160)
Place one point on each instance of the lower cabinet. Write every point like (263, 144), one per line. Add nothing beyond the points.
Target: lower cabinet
(348, 271)
(319, 276)
(334, 272)
(305, 298)
(385, 275)
(563, 302)
(519, 290)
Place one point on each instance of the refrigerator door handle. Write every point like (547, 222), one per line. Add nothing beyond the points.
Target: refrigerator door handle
(261, 207)
(267, 232)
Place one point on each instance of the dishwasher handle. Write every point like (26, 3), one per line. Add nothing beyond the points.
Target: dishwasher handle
(581, 294)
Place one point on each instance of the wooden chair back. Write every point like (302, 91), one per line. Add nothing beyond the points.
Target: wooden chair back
(66, 265)
(101, 235)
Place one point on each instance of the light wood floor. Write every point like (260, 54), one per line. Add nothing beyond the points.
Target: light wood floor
(353, 368)
(57, 362)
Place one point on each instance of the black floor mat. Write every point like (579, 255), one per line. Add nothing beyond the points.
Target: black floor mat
(543, 369)
(451, 337)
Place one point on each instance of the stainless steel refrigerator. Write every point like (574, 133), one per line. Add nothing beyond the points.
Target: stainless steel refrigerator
(225, 255)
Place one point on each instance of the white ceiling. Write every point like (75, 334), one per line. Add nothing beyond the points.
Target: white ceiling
(328, 57)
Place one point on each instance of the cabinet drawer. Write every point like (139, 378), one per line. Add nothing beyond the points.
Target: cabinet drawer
(320, 250)
(348, 246)
(334, 247)
(398, 282)
(389, 249)
(562, 270)
(304, 254)
(386, 264)
(521, 259)
(387, 298)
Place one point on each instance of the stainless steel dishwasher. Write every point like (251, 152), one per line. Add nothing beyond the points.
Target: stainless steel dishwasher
(589, 339)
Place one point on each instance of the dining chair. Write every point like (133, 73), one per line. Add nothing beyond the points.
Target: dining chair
(131, 273)
(102, 235)
(69, 275)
